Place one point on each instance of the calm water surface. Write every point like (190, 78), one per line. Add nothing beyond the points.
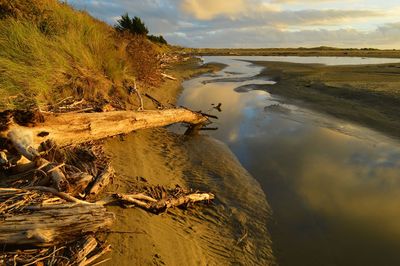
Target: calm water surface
(334, 187)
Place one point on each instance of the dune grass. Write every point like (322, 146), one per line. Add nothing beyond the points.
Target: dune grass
(49, 51)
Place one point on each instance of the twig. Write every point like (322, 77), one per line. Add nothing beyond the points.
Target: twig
(55, 168)
(61, 195)
(43, 258)
(157, 102)
(135, 90)
(168, 76)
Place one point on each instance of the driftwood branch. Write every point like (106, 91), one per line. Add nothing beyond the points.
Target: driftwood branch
(167, 76)
(157, 206)
(61, 195)
(155, 101)
(137, 92)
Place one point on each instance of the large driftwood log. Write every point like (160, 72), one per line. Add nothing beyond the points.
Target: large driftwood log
(52, 226)
(67, 128)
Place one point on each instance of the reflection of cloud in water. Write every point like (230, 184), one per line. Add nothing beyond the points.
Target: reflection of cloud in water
(310, 176)
(334, 186)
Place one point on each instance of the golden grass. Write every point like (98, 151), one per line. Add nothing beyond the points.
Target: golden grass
(48, 51)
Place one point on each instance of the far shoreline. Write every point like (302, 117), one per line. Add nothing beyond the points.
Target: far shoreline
(368, 95)
(317, 51)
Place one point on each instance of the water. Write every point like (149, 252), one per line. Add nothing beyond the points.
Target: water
(334, 187)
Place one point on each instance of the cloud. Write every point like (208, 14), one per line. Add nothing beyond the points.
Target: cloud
(209, 9)
(255, 23)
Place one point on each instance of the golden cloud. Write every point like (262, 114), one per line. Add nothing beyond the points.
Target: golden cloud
(209, 9)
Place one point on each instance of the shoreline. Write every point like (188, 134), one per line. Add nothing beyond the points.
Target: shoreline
(163, 158)
(303, 52)
(368, 95)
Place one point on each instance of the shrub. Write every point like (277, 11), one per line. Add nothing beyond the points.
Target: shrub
(134, 25)
(157, 39)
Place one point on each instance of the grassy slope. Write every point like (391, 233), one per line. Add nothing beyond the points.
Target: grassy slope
(49, 51)
(368, 94)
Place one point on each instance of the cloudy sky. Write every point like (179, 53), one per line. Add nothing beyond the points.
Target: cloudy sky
(261, 23)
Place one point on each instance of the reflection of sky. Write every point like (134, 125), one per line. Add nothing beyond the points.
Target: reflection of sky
(236, 66)
(334, 186)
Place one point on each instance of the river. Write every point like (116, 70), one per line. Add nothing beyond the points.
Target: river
(333, 186)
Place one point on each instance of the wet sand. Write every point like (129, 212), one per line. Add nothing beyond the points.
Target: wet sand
(365, 94)
(224, 233)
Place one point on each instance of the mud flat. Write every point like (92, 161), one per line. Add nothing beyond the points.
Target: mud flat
(365, 94)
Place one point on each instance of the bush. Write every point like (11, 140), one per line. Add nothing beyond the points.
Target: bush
(134, 25)
(157, 39)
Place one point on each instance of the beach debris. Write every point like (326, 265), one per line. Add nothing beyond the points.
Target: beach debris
(162, 199)
(101, 181)
(168, 76)
(218, 107)
(54, 171)
(134, 89)
(155, 101)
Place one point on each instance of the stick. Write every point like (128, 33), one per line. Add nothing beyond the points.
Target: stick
(168, 76)
(61, 195)
(157, 102)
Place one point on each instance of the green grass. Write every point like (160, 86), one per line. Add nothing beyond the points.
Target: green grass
(49, 51)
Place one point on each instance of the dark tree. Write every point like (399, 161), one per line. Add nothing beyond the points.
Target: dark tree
(134, 25)
(157, 39)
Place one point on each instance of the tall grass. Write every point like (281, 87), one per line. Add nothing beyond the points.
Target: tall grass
(49, 50)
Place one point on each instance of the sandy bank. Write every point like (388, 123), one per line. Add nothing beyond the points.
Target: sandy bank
(221, 234)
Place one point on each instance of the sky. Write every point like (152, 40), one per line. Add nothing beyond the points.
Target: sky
(261, 23)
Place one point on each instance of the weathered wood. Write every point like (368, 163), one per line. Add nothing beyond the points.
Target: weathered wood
(155, 101)
(153, 205)
(79, 183)
(67, 128)
(58, 179)
(22, 140)
(53, 226)
(102, 181)
(61, 195)
(90, 260)
(89, 243)
(168, 76)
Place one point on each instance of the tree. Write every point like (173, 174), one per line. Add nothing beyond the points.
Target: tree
(134, 25)
(157, 39)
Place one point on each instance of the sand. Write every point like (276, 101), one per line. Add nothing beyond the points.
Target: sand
(232, 230)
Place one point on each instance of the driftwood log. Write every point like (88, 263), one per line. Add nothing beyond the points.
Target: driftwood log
(75, 128)
(53, 225)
